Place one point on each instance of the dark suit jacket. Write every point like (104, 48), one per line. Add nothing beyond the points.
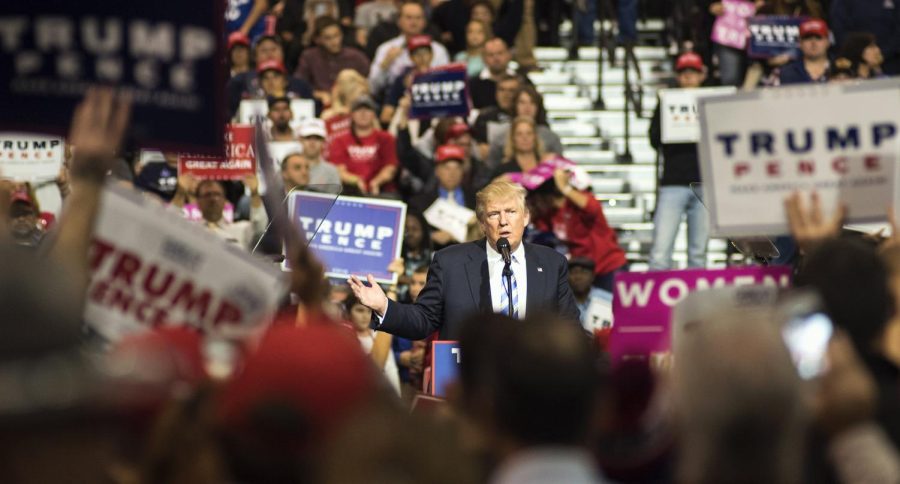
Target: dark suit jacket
(458, 287)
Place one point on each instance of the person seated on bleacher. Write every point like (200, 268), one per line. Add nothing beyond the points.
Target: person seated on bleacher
(813, 65)
(529, 103)
(483, 86)
(238, 54)
(523, 150)
(348, 86)
(280, 116)
(247, 85)
(490, 117)
(681, 167)
(575, 217)
(321, 64)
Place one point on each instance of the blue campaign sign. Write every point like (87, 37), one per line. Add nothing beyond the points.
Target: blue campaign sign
(166, 53)
(445, 358)
(772, 35)
(440, 92)
(351, 235)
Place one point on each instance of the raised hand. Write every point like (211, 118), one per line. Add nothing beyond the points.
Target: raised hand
(370, 296)
(809, 227)
(97, 130)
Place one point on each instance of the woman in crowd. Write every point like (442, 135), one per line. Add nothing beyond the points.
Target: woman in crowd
(238, 54)
(523, 150)
(529, 104)
(477, 33)
(865, 55)
(416, 250)
(348, 86)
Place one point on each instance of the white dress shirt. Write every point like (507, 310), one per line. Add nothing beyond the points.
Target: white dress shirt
(380, 79)
(495, 272)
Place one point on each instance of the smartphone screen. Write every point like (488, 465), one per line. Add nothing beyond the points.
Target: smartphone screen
(807, 339)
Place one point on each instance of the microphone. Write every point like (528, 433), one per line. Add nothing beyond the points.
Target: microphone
(503, 248)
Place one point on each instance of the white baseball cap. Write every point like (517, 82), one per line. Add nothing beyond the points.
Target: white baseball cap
(313, 127)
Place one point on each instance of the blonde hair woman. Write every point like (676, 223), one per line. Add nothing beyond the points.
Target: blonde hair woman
(348, 86)
(524, 149)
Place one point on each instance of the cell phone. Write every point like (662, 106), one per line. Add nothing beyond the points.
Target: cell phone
(806, 331)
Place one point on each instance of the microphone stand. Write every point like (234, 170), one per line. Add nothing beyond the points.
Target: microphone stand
(507, 273)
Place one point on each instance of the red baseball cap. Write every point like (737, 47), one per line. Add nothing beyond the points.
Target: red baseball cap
(271, 65)
(456, 130)
(20, 196)
(814, 27)
(449, 153)
(689, 60)
(417, 41)
(319, 371)
(238, 38)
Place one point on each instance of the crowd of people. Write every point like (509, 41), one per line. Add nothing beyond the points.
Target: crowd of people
(332, 390)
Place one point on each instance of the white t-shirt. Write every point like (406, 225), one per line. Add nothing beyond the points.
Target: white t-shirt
(390, 365)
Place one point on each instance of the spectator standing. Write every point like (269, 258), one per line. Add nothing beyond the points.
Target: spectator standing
(878, 17)
(366, 156)
(483, 87)
(312, 137)
(280, 116)
(238, 54)
(675, 199)
(419, 48)
(320, 65)
(813, 66)
(576, 218)
(862, 50)
(477, 34)
(392, 59)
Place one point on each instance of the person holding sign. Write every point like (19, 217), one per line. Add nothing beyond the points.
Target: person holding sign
(448, 169)
(813, 66)
(366, 156)
(211, 202)
(419, 47)
(468, 278)
(681, 167)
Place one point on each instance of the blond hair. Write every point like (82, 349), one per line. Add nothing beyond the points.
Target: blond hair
(509, 150)
(348, 85)
(499, 190)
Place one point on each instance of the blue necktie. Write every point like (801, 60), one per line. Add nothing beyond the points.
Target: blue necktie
(504, 298)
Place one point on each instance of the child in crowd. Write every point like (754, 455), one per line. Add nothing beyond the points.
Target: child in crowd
(377, 345)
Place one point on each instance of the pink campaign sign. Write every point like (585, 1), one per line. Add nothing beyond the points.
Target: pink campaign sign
(643, 302)
(731, 28)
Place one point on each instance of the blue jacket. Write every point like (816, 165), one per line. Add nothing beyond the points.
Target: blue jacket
(796, 73)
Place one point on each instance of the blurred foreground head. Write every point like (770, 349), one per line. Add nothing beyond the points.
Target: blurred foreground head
(737, 403)
(528, 383)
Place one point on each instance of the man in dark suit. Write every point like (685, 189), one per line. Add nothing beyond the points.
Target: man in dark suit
(467, 278)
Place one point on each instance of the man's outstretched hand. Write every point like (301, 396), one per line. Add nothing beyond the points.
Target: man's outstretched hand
(370, 296)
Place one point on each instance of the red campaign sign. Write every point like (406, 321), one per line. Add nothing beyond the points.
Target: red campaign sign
(239, 161)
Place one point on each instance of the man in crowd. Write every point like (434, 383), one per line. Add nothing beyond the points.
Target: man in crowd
(392, 59)
(319, 66)
(247, 85)
(483, 89)
(24, 225)
(581, 278)
(468, 278)
(366, 156)
(507, 86)
(681, 167)
(448, 170)
(321, 173)
(211, 202)
(419, 47)
(813, 65)
(280, 115)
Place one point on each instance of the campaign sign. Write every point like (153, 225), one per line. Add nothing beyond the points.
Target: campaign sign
(840, 140)
(444, 366)
(239, 161)
(772, 35)
(730, 28)
(30, 157)
(151, 267)
(536, 176)
(643, 302)
(166, 53)
(350, 235)
(679, 119)
(440, 92)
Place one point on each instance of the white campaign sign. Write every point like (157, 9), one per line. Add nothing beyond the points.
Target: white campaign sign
(450, 217)
(30, 157)
(678, 112)
(840, 140)
(151, 267)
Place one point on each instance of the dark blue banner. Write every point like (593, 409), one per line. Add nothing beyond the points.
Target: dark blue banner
(439, 93)
(351, 235)
(772, 35)
(167, 53)
(444, 366)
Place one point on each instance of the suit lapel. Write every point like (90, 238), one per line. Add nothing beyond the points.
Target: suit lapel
(536, 281)
(479, 278)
